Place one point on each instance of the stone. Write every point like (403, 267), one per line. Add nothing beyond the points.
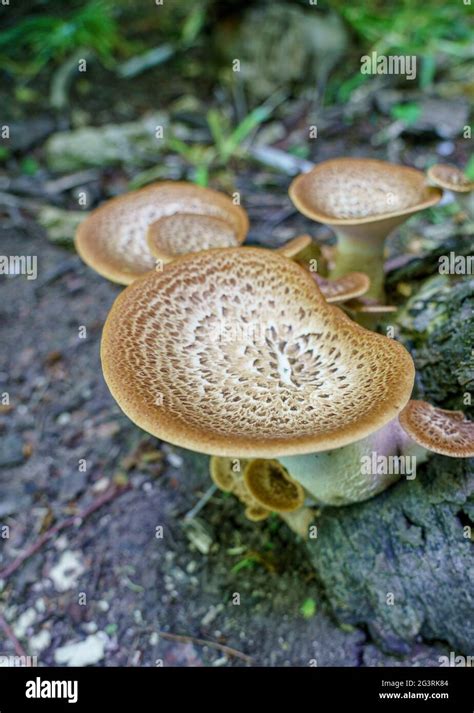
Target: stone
(129, 144)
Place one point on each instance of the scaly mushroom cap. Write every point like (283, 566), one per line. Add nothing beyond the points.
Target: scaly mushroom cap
(294, 246)
(352, 191)
(236, 351)
(341, 289)
(182, 233)
(448, 176)
(438, 430)
(113, 238)
(270, 484)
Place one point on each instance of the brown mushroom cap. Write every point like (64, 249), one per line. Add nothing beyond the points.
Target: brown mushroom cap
(354, 191)
(236, 351)
(113, 238)
(183, 233)
(295, 246)
(341, 289)
(450, 177)
(270, 484)
(438, 430)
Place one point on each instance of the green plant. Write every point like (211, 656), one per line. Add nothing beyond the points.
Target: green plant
(46, 38)
(228, 141)
(433, 30)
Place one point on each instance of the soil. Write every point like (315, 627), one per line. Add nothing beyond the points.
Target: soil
(136, 584)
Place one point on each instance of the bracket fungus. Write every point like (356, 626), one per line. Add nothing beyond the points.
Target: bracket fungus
(363, 200)
(451, 178)
(113, 238)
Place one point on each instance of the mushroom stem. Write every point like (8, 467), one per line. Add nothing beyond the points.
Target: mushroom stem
(359, 471)
(356, 255)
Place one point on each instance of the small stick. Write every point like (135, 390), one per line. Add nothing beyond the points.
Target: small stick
(201, 502)
(203, 642)
(19, 650)
(53, 531)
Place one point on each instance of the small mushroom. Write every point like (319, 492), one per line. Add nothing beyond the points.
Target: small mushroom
(295, 246)
(113, 238)
(366, 305)
(438, 430)
(451, 178)
(363, 200)
(183, 233)
(227, 474)
(272, 487)
(342, 289)
(263, 486)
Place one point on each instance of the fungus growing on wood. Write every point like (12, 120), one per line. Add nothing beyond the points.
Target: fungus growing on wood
(113, 238)
(363, 200)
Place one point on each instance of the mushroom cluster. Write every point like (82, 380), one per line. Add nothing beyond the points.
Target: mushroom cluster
(123, 239)
(245, 354)
(363, 200)
(236, 353)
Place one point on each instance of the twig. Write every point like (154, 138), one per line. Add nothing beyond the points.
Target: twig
(203, 642)
(53, 531)
(19, 650)
(201, 502)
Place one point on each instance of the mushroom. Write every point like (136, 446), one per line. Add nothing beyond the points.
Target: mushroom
(295, 246)
(263, 486)
(113, 238)
(342, 289)
(366, 305)
(445, 175)
(361, 470)
(438, 430)
(235, 352)
(228, 476)
(269, 483)
(363, 200)
(305, 251)
(182, 233)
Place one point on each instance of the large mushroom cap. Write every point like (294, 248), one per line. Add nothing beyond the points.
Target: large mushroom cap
(341, 289)
(236, 352)
(450, 177)
(357, 190)
(113, 238)
(183, 233)
(438, 430)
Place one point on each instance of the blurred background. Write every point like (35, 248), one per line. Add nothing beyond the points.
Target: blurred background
(101, 97)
